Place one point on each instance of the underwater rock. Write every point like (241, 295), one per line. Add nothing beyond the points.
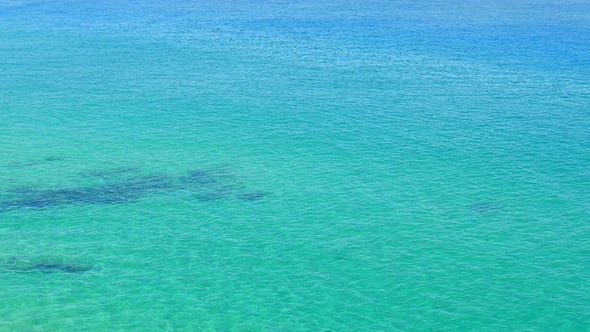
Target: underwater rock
(119, 192)
(23, 264)
(53, 267)
(53, 158)
(251, 196)
(204, 184)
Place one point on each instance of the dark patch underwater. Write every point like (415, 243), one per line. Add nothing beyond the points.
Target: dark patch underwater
(205, 184)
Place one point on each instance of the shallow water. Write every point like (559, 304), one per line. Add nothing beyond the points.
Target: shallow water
(294, 166)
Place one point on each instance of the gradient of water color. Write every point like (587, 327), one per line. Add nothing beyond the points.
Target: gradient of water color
(356, 166)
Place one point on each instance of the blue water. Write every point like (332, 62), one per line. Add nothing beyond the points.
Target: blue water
(294, 165)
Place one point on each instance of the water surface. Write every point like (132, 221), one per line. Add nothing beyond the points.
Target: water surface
(294, 166)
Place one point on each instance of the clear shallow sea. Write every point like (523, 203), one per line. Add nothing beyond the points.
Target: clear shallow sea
(294, 166)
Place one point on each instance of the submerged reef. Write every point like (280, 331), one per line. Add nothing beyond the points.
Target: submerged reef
(22, 264)
(119, 192)
(53, 267)
(204, 184)
(53, 158)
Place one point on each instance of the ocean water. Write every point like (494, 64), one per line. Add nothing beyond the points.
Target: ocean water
(294, 165)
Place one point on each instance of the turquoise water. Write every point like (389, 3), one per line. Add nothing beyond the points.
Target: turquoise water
(294, 166)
